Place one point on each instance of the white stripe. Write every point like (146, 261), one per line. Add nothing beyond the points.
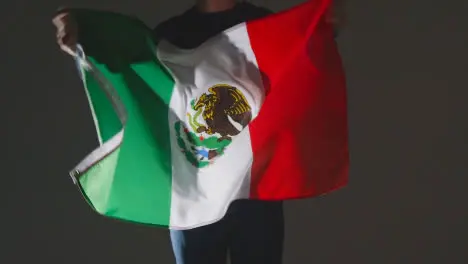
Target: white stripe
(98, 154)
(82, 68)
(201, 196)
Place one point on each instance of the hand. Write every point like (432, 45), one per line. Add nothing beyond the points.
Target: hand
(335, 15)
(67, 32)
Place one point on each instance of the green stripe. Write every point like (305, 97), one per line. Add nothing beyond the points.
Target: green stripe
(134, 183)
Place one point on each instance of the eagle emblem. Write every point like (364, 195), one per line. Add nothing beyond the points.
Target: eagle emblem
(214, 119)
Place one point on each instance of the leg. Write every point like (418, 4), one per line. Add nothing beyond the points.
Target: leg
(257, 232)
(203, 245)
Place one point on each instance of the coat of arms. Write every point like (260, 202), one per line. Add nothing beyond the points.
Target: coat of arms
(213, 120)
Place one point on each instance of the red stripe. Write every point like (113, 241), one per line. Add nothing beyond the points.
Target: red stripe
(300, 138)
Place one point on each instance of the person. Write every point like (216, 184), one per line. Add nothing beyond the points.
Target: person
(252, 231)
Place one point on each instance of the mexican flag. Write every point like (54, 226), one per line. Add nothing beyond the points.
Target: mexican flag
(256, 112)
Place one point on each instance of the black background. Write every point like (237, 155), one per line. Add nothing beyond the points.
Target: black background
(406, 202)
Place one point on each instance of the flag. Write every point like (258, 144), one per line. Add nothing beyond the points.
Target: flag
(256, 112)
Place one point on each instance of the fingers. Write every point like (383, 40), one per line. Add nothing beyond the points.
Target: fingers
(59, 18)
(336, 14)
(66, 32)
(69, 50)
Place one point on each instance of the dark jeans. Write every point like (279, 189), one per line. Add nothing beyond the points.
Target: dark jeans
(252, 232)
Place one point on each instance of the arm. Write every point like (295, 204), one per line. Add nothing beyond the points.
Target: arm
(103, 35)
